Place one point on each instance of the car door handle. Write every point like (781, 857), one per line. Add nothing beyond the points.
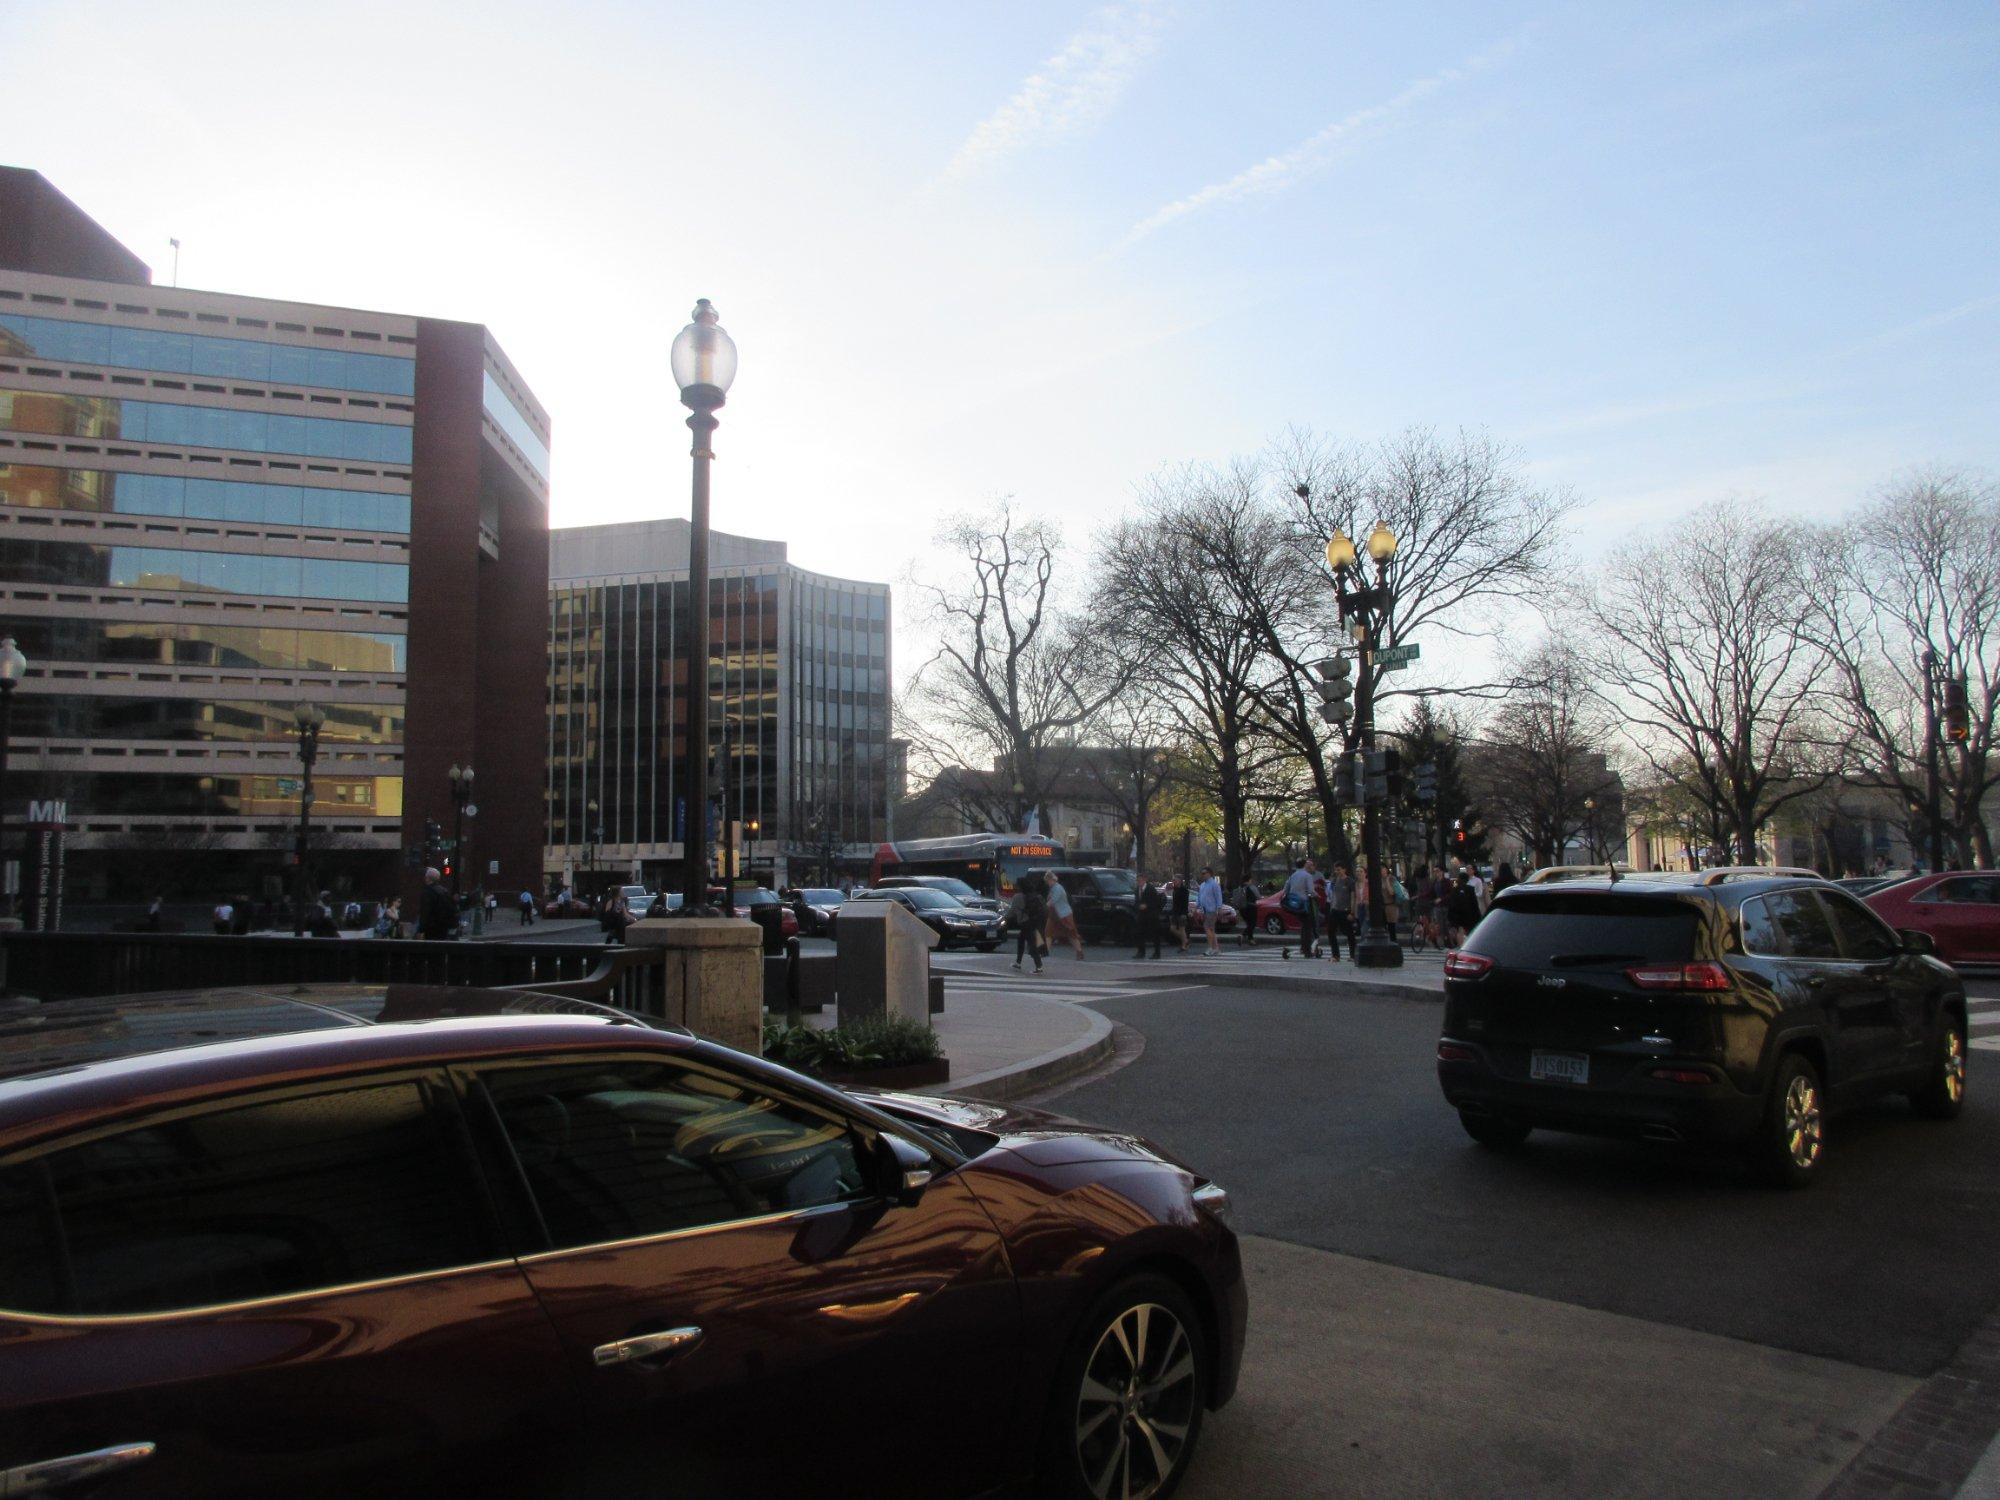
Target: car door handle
(53, 1474)
(646, 1346)
(1817, 981)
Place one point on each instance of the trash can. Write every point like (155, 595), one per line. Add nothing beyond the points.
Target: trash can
(771, 918)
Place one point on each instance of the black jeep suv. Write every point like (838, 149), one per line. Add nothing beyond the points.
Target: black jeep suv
(1726, 1006)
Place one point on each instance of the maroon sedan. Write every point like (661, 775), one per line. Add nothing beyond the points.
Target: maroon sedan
(1959, 910)
(356, 1240)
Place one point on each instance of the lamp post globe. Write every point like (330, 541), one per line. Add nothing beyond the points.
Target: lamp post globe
(1340, 551)
(703, 360)
(1381, 543)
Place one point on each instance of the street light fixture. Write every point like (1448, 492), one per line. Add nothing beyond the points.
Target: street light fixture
(461, 794)
(13, 667)
(1590, 825)
(1365, 611)
(309, 718)
(703, 360)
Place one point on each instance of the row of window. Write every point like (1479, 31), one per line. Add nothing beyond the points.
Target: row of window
(510, 420)
(90, 565)
(44, 488)
(115, 417)
(103, 794)
(362, 1182)
(88, 716)
(154, 643)
(1804, 924)
(203, 354)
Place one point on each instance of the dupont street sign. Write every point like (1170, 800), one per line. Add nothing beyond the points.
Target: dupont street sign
(1392, 658)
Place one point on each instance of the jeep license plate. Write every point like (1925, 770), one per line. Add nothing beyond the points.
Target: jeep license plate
(1559, 1067)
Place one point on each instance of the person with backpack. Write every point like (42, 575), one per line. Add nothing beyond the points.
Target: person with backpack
(1339, 912)
(1246, 910)
(1299, 901)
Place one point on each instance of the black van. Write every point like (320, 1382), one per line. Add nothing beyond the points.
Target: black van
(1103, 899)
(1732, 1006)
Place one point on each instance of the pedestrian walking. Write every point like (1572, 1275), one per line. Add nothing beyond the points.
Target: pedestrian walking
(1298, 900)
(224, 917)
(1208, 900)
(615, 917)
(1177, 911)
(1152, 901)
(437, 914)
(1246, 912)
(1461, 910)
(1502, 878)
(527, 905)
(1339, 912)
(1028, 939)
(1062, 919)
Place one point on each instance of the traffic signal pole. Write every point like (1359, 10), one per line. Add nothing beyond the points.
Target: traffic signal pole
(1377, 950)
(1933, 808)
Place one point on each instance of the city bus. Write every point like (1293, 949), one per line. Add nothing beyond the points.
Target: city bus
(988, 862)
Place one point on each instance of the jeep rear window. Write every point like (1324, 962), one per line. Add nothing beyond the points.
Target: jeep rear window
(1585, 929)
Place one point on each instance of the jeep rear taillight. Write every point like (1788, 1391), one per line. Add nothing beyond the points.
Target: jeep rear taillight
(1705, 977)
(1462, 965)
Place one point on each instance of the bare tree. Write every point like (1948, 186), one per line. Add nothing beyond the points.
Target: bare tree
(1014, 674)
(1543, 765)
(1697, 639)
(1914, 574)
(1129, 764)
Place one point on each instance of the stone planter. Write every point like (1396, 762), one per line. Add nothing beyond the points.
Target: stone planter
(902, 1076)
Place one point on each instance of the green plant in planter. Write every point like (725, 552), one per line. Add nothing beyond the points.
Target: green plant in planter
(893, 1042)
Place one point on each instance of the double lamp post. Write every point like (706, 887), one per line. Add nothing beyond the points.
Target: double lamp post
(1364, 609)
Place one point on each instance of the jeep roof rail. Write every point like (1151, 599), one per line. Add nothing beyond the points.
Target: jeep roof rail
(1552, 874)
(1724, 873)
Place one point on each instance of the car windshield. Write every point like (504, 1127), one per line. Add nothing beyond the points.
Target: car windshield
(818, 896)
(1115, 882)
(756, 898)
(929, 899)
(1585, 928)
(952, 886)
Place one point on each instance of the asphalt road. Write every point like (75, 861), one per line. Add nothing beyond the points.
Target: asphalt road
(1324, 1120)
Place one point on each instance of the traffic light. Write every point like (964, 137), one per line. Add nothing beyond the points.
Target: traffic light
(1427, 781)
(445, 868)
(1957, 715)
(1385, 775)
(1335, 688)
(1459, 838)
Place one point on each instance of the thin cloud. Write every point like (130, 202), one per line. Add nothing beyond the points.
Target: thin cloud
(1077, 87)
(1274, 174)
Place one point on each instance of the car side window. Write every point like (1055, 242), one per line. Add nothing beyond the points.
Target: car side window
(1802, 925)
(1862, 935)
(277, 1197)
(619, 1149)
(1760, 932)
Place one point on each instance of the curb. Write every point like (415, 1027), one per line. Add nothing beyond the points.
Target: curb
(996, 1085)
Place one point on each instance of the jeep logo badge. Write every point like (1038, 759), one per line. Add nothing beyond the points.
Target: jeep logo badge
(1551, 981)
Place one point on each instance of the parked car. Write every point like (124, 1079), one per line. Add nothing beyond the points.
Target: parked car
(1274, 919)
(567, 906)
(820, 903)
(426, 1241)
(959, 890)
(1958, 909)
(1713, 1007)
(953, 923)
(746, 901)
(637, 898)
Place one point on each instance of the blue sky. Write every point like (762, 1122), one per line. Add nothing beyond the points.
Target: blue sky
(1670, 251)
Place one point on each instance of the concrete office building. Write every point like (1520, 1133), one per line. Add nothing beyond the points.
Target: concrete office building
(799, 722)
(214, 508)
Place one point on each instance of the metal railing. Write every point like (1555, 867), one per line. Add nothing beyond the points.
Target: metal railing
(69, 966)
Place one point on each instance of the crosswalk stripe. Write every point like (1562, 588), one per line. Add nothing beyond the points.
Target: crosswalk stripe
(1981, 1020)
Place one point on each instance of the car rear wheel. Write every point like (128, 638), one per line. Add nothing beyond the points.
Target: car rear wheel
(1274, 924)
(1129, 1397)
(1491, 1130)
(1791, 1143)
(1943, 1093)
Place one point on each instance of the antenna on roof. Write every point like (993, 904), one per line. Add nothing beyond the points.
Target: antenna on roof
(177, 260)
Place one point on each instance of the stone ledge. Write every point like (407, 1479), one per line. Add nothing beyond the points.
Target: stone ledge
(694, 932)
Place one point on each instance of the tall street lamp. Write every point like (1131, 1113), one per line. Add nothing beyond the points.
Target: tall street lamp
(703, 360)
(461, 794)
(309, 717)
(1365, 610)
(1590, 825)
(13, 667)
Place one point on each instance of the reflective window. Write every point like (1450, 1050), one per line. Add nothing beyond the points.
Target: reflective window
(1760, 932)
(86, 564)
(508, 417)
(47, 640)
(80, 716)
(52, 488)
(1802, 926)
(204, 354)
(183, 794)
(1862, 935)
(263, 1200)
(113, 417)
(1979, 890)
(619, 1149)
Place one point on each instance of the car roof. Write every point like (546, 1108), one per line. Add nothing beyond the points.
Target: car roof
(122, 1048)
(1732, 892)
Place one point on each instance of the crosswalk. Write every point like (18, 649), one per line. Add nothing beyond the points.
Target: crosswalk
(1983, 1019)
(1047, 986)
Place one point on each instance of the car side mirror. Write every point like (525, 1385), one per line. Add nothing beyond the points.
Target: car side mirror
(1916, 942)
(906, 1170)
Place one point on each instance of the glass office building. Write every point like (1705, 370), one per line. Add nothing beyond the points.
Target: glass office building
(216, 508)
(798, 718)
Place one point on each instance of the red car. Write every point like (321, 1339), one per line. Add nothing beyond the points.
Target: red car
(1959, 910)
(789, 923)
(416, 1240)
(1273, 918)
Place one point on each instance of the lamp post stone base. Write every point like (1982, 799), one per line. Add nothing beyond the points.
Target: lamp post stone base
(714, 984)
(1378, 951)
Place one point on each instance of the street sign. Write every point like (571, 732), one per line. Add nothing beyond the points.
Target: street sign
(1393, 658)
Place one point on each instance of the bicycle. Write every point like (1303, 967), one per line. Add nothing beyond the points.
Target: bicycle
(1422, 932)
